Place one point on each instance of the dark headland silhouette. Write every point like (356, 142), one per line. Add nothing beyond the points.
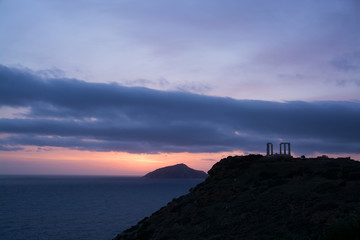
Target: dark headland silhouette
(264, 197)
(176, 171)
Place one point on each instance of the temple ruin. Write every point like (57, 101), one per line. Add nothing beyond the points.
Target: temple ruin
(284, 149)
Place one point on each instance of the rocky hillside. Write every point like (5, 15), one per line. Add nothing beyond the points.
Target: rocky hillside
(176, 171)
(256, 197)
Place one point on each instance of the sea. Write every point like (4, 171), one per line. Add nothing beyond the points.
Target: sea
(80, 207)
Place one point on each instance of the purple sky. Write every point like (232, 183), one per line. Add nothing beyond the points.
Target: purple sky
(253, 49)
(197, 76)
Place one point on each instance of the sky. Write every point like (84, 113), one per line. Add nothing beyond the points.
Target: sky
(105, 87)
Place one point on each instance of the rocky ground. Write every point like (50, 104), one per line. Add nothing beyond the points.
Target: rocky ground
(256, 197)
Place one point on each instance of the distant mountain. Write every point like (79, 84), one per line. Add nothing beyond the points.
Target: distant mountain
(176, 171)
(255, 197)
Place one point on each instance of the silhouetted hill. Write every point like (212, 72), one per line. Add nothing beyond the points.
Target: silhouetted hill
(176, 171)
(256, 197)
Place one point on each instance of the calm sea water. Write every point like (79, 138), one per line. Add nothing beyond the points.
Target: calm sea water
(75, 208)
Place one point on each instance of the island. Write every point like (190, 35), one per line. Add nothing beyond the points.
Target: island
(176, 171)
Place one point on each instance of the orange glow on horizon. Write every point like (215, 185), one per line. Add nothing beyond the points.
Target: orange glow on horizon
(56, 160)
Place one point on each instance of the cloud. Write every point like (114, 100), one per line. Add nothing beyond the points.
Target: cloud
(209, 159)
(108, 117)
(162, 82)
(345, 82)
(6, 148)
(347, 62)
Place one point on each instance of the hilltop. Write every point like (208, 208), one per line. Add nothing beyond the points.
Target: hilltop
(176, 171)
(257, 197)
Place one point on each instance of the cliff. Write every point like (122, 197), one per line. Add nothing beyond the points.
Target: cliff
(176, 171)
(256, 197)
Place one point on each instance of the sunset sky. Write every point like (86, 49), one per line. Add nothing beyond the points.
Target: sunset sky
(122, 87)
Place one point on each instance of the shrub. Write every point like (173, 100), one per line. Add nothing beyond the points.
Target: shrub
(347, 228)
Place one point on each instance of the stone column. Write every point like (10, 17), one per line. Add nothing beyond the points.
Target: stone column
(289, 149)
(269, 149)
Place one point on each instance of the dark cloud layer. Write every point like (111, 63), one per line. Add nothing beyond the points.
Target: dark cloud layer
(109, 117)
